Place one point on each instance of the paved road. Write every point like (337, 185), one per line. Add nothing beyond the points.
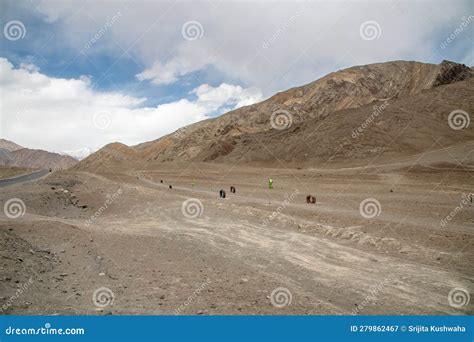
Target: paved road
(23, 178)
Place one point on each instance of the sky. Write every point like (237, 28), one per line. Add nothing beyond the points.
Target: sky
(76, 75)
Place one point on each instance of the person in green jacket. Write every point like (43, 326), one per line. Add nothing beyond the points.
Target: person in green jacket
(270, 183)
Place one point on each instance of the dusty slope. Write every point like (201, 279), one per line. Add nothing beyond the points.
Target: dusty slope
(110, 157)
(35, 159)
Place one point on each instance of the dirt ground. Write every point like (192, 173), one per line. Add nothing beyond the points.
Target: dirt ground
(149, 249)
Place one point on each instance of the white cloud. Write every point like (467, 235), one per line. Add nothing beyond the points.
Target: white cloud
(170, 71)
(60, 114)
(271, 45)
(215, 97)
(167, 73)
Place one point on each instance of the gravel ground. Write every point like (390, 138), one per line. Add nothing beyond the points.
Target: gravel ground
(124, 243)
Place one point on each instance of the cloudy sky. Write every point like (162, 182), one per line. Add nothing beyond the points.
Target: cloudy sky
(77, 75)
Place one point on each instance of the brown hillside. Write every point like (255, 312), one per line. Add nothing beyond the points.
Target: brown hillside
(415, 98)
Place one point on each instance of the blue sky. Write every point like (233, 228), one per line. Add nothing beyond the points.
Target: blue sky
(154, 66)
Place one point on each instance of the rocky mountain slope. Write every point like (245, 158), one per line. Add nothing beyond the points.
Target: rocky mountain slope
(395, 108)
(111, 156)
(9, 145)
(12, 154)
(382, 130)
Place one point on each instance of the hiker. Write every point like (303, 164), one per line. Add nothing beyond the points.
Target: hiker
(270, 183)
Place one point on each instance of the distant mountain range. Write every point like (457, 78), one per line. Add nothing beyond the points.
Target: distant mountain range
(79, 154)
(12, 154)
(351, 116)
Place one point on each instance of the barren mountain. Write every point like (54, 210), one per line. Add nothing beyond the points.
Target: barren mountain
(110, 156)
(10, 155)
(9, 145)
(395, 108)
(382, 130)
